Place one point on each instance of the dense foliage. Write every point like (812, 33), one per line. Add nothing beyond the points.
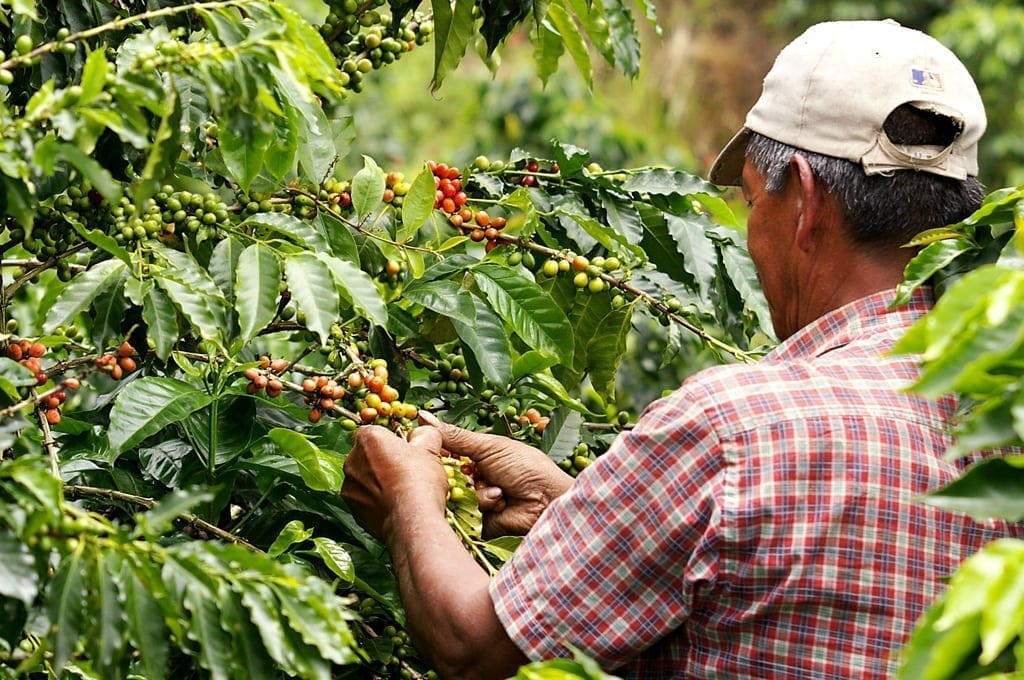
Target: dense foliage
(199, 307)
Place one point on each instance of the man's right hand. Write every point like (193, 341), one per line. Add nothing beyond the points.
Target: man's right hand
(518, 475)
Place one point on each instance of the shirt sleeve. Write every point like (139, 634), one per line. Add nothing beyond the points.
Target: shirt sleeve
(614, 565)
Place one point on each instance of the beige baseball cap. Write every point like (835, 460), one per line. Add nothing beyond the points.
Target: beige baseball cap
(831, 89)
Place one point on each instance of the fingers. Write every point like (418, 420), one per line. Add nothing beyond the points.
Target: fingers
(490, 499)
(427, 439)
(476, 446)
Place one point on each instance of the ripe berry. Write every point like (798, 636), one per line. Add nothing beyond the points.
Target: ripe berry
(36, 349)
(477, 235)
(482, 218)
(580, 263)
(125, 349)
(52, 416)
(314, 415)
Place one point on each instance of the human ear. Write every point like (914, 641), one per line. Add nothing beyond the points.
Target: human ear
(808, 198)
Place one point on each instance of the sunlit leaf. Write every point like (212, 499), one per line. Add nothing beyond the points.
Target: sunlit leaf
(256, 289)
(148, 405)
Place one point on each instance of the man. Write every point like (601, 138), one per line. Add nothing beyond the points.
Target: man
(762, 521)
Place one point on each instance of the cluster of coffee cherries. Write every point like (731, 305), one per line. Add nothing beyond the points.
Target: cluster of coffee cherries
(28, 354)
(581, 458)
(451, 375)
(119, 362)
(393, 273)
(259, 380)
(450, 198)
(320, 393)
(587, 273)
(51, 403)
(363, 37)
(374, 399)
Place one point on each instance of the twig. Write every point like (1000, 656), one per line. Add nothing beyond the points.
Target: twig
(148, 503)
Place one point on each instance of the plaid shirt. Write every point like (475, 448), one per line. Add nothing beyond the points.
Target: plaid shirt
(760, 522)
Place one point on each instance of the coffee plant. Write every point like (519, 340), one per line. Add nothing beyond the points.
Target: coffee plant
(199, 306)
(971, 344)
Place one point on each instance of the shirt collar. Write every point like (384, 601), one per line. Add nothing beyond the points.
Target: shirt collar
(867, 315)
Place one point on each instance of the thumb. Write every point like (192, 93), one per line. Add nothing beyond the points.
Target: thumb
(476, 446)
(427, 439)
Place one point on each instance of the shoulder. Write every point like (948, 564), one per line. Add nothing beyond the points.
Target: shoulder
(735, 398)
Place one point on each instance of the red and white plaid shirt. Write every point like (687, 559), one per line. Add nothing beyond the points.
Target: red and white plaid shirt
(762, 521)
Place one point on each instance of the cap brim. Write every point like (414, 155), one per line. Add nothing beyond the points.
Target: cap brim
(727, 170)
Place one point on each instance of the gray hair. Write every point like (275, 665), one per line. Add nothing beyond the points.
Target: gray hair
(880, 210)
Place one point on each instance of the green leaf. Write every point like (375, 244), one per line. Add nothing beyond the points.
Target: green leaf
(605, 350)
(698, 251)
(313, 291)
(293, 532)
(667, 182)
(926, 263)
(527, 308)
(101, 241)
(316, 626)
(313, 11)
(321, 470)
(91, 170)
(82, 290)
(193, 291)
(94, 76)
(224, 265)
(444, 297)
(265, 614)
(257, 282)
(336, 558)
(161, 321)
(250, 658)
(149, 404)
(18, 577)
(417, 205)
(302, 233)
(931, 334)
(146, 628)
(163, 151)
(488, 342)
(625, 41)
(548, 48)
(243, 143)
(367, 188)
(453, 29)
(978, 346)
(206, 631)
(357, 286)
(992, 488)
(66, 600)
(110, 643)
(572, 39)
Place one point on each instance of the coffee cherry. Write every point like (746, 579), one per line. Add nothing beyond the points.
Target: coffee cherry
(23, 44)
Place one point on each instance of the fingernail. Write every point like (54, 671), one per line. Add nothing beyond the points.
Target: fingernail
(429, 419)
(492, 493)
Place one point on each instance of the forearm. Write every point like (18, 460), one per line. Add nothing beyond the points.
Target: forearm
(449, 614)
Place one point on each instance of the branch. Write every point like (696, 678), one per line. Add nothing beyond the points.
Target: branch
(80, 491)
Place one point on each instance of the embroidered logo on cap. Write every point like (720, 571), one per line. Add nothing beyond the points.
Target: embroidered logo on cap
(925, 78)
